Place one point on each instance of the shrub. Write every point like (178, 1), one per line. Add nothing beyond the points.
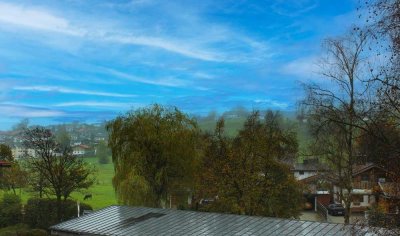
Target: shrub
(32, 232)
(42, 213)
(10, 210)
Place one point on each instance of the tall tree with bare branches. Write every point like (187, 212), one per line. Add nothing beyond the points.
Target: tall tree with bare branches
(336, 110)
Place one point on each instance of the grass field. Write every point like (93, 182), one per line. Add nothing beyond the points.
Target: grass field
(232, 126)
(102, 191)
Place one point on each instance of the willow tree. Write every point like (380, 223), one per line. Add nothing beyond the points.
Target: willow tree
(153, 150)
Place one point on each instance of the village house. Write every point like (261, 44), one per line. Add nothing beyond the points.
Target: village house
(20, 152)
(371, 185)
(366, 179)
(80, 150)
(307, 169)
(311, 174)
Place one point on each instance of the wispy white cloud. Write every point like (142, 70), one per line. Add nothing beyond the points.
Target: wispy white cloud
(98, 104)
(175, 46)
(272, 103)
(169, 82)
(293, 8)
(305, 68)
(15, 110)
(44, 20)
(202, 47)
(35, 18)
(203, 75)
(70, 91)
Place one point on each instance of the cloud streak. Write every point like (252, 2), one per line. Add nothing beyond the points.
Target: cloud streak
(169, 82)
(98, 104)
(15, 110)
(36, 19)
(272, 103)
(305, 68)
(44, 20)
(168, 45)
(70, 91)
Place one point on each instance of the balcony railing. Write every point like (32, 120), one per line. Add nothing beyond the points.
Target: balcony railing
(364, 185)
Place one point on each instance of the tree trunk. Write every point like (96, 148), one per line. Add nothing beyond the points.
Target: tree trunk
(347, 213)
(59, 207)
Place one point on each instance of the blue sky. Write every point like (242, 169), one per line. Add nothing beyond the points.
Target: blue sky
(89, 60)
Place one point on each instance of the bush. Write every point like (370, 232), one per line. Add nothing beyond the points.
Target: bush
(10, 210)
(11, 230)
(32, 232)
(42, 213)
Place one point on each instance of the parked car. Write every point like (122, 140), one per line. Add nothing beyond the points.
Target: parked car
(206, 201)
(336, 209)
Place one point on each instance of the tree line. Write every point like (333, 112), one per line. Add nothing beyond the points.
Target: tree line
(160, 155)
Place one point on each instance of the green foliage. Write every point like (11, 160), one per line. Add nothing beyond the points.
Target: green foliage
(13, 177)
(22, 230)
(63, 139)
(247, 174)
(102, 190)
(5, 153)
(41, 213)
(376, 216)
(54, 169)
(12, 230)
(154, 150)
(10, 210)
(103, 153)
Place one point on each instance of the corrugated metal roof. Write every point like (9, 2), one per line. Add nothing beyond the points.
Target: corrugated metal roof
(124, 220)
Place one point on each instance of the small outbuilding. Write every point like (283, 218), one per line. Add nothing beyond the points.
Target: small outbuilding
(124, 220)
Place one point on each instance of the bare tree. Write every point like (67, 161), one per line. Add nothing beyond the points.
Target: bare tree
(55, 165)
(337, 110)
(381, 142)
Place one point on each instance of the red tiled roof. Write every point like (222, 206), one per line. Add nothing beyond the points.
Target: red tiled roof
(82, 146)
(5, 164)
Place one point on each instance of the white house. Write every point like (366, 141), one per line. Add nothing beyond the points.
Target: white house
(19, 152)
(305, 170)
(80, 150)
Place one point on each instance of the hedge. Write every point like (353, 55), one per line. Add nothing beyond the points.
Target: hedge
(42, 213)
(10, 210)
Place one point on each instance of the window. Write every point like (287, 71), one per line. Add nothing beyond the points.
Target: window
(365, 177)
(357, 199)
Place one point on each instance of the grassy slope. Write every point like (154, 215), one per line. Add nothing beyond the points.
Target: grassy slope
(232, 126)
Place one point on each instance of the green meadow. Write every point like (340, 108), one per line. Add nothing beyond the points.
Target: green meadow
(102, 191)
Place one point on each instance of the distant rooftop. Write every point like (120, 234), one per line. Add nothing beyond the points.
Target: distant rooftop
(124, 220)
